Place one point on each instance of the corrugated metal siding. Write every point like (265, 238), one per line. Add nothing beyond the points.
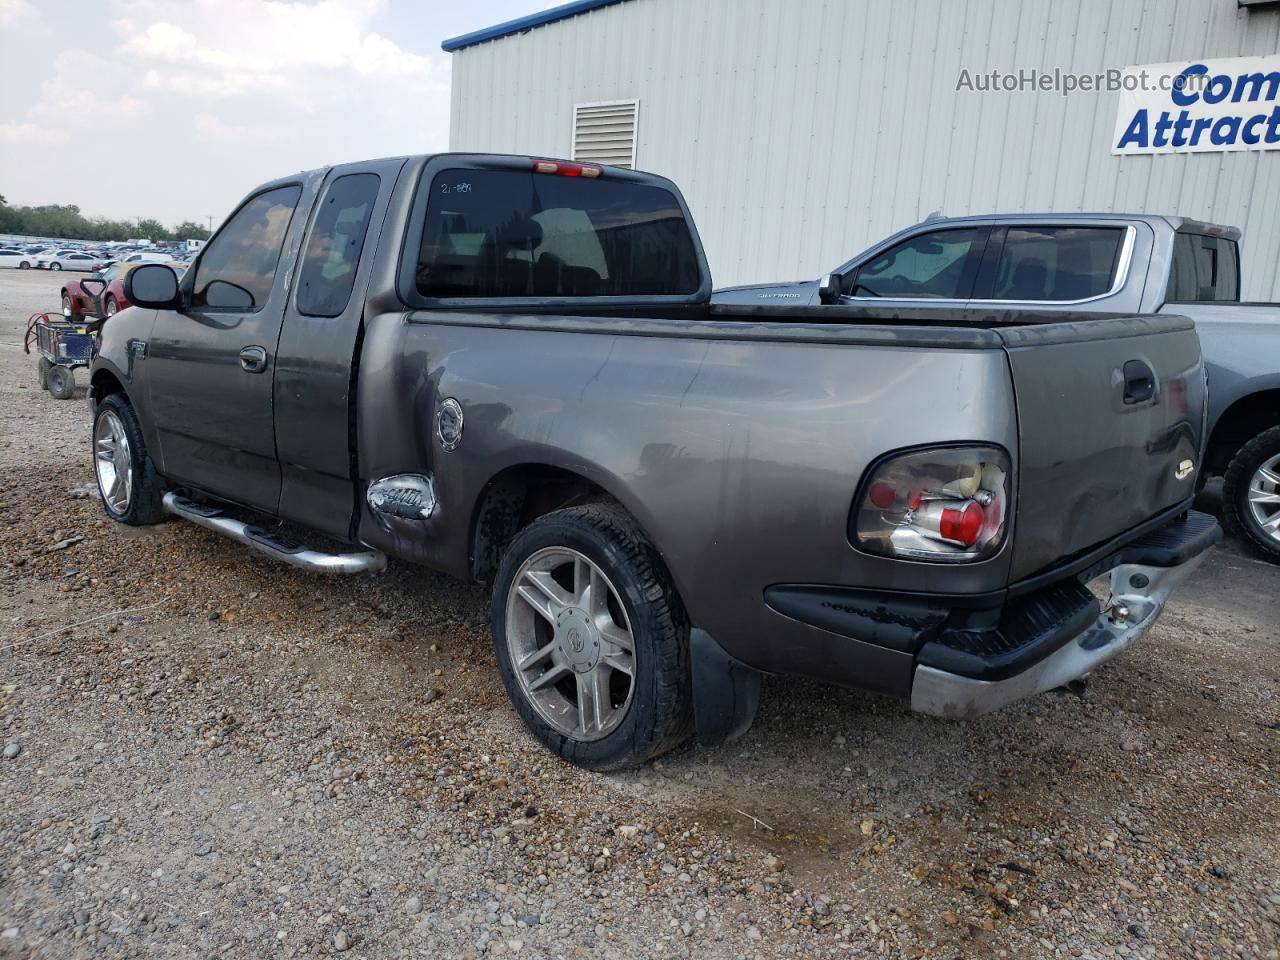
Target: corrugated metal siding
(801, 131)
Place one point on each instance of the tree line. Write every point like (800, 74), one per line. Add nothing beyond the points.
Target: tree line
(66, 221)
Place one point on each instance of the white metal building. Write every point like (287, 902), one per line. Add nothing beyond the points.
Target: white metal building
(801, 131)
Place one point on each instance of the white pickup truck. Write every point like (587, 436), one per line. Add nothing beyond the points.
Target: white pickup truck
(1096, 263)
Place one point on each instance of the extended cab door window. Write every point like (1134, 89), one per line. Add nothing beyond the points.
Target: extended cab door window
(238, 268)
(1204, 270)
(941, 264)
(333, 251)
(1061, 264)
(515, 233)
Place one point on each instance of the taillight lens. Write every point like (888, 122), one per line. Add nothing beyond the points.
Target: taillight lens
(946, 504)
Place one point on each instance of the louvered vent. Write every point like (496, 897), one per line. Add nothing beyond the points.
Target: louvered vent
(606, 132)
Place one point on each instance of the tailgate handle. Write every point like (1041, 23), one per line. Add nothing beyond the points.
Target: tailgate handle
(1139, 382)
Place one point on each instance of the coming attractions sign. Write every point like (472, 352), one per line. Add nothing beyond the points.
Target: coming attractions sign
(1202, 106)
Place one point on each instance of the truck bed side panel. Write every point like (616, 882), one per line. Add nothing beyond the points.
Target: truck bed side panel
(739, 457)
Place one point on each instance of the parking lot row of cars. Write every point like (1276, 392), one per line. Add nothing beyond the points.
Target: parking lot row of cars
(86, 259)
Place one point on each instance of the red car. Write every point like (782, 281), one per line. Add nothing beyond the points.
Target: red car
(100, 296)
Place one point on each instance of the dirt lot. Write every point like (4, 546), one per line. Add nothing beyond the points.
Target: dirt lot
(220, 756)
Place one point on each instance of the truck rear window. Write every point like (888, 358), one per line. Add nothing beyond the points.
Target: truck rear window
(1205, 269)
(508, 233)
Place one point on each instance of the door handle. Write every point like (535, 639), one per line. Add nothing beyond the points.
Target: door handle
(1139, 382)
(253, 359)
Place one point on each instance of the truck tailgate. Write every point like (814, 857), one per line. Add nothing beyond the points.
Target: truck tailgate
(1101, 450)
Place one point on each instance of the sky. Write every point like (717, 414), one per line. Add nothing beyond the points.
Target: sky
(175, 109)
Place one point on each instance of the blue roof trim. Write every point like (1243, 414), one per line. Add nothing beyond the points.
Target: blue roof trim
(525, 23)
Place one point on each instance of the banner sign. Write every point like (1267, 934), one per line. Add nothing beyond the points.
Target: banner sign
(1201, 106)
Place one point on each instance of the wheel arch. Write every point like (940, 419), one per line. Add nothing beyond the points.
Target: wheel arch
(1247, 417)
(520, 493)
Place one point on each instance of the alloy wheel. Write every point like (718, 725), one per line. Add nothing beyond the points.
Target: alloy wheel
(571, 644)
(1264, 497)
(113, 462)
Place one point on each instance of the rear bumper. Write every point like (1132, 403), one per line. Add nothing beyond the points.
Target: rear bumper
(966, 655)
(958, 678)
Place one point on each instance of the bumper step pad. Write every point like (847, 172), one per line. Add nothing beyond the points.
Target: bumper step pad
(1030, 629)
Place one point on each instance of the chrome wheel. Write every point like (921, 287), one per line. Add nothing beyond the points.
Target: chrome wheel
(1264, 497)
(570, 643)
(112, 307)
(113, 462)
(66, 305)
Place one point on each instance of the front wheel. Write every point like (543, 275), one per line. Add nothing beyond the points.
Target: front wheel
(127, 479)
(592, 640)
(112, 307)
(24, 265)
(68, 310)
(1251, 494)
(55, 266)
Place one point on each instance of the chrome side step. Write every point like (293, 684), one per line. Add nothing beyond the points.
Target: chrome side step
(211, 518)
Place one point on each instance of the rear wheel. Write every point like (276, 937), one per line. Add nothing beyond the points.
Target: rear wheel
(127, 479)
(43, 366)
(1251, 494)
(112, 307)
(61, 382)
(591, 639)
(68, 309)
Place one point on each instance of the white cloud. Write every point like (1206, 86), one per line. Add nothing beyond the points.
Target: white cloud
(32, 133)
(209, 97)
(11, 11)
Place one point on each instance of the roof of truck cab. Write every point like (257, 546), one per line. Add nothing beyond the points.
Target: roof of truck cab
(1177, 223)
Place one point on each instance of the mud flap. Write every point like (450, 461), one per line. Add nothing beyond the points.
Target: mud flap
(726, 692)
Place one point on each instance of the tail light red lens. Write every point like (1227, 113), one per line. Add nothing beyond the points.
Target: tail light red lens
(945, 504)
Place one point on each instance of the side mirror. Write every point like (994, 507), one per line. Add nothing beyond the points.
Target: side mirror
(152, 285)
(831, 288)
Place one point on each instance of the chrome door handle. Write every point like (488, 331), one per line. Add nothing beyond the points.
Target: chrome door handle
(253, 359)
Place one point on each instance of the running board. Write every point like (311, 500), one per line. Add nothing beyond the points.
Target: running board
(211, 518)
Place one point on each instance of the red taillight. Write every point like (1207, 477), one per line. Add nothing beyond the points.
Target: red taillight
(882, 495)
(952, 508)
(563, 168)
(963, 525)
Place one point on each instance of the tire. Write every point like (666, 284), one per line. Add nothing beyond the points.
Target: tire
(43, 366)
(654, 713)
(61, 382)
(111, 307)
(69, 311)
(1248, 473)
(142, 486)
(24, 265)
(55, 266)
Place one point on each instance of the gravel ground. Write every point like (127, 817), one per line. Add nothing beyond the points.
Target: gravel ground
(208, 754)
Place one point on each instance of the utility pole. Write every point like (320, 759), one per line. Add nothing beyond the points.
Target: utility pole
(210, 219)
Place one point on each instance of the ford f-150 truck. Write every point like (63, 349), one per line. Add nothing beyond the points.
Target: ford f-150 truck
(1098, 263)
(507, 368)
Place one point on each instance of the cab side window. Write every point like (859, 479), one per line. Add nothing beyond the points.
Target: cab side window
(1058, 263)
(238, 267)
(329, 262)
(937, 265)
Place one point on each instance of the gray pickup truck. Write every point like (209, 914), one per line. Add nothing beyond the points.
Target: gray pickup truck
(1100, 264)
(508, 369)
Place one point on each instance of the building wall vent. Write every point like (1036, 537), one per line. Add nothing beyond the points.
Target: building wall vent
(606, 132)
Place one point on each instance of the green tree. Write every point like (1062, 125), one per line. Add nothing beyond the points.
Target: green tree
(189, 230)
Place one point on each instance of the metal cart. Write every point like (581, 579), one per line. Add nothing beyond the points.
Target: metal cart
(63, 346)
